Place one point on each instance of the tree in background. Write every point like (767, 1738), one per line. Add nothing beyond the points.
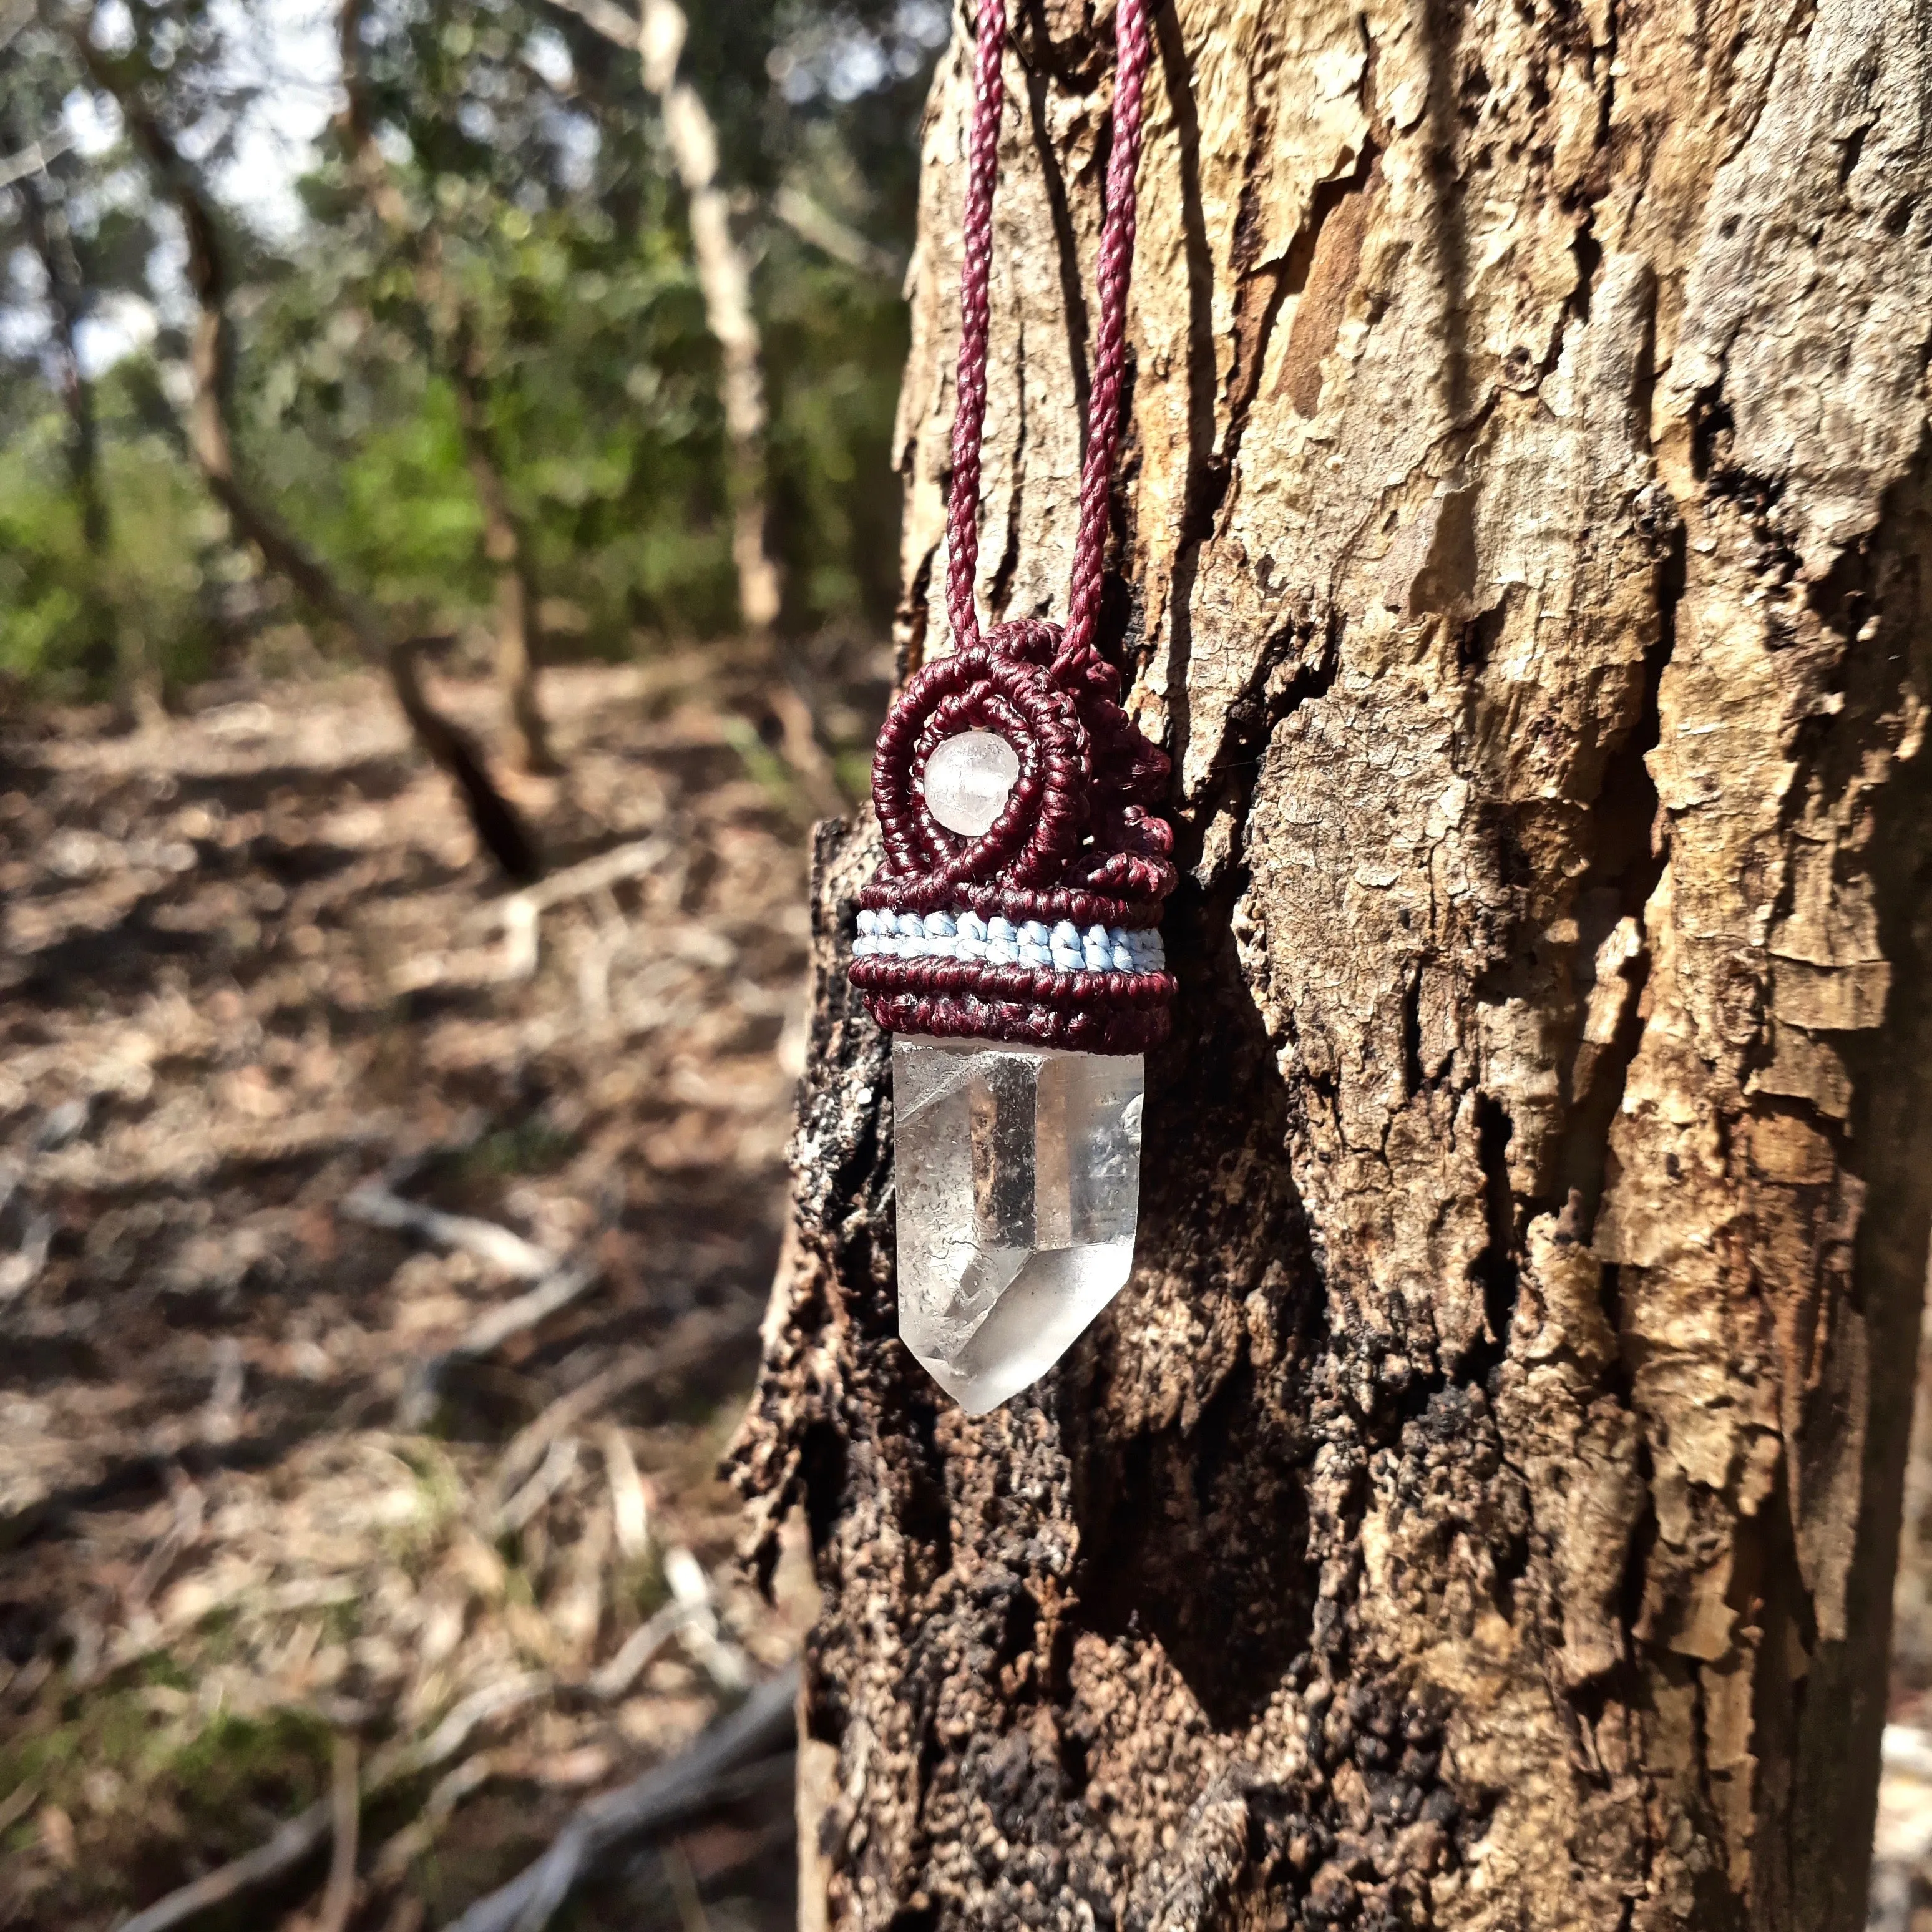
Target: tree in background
(554, 418)
(1479, 1509)
(79, 248)
(131, 79)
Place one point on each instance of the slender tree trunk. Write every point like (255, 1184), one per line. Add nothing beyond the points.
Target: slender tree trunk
(46, 230)
(657, 35)
(446, 319)
(724, 273)
(520, 642)
(725, 279)
(1479, 1509)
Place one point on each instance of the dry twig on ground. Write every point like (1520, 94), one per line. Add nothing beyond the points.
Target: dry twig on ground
(755, 1738)
(378, 1206)
(694, 1338)
(211, 1051)
(551, 1295)
(338, 1896)
(309, 1830)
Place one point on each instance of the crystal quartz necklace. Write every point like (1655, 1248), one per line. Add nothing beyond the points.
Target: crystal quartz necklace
(1009, 940)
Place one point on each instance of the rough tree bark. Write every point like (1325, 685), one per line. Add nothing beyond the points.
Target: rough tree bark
(1479, 1509)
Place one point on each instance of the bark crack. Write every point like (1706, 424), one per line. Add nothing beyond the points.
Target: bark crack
(1066, 245)
(1175, 68)
(1000, 592)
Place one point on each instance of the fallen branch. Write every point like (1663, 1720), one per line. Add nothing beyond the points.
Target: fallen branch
(519, 913)
(630, 1501)
(590, 875)
(720, 1659)
(694, 1338)
(557, 1469)
(376, 1206)
(399, 1852)
(303, 1835)
(745, 1750)
(529, 1310)
(338, 1896)
(18, 1803)
(307, 1832)
(611, 1681)
(518, 1317)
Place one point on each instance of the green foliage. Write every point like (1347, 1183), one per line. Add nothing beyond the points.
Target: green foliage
(69, 613)
(217, 1769)
(533, 1145)
(43, 565)
(543, 268)
(834, 344)
(280, 1759)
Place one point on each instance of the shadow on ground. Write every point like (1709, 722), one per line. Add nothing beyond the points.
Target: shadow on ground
(253, 1514)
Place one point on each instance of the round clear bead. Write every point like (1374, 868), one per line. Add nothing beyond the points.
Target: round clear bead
(967, 779)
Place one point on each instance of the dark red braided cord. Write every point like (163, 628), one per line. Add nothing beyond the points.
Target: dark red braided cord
(1103, 408)
(1079, 839)
(975, 272)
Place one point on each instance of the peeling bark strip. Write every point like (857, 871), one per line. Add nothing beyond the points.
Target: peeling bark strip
(1479, 1511)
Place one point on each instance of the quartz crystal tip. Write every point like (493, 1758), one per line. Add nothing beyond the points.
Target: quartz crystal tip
(1018, 1172)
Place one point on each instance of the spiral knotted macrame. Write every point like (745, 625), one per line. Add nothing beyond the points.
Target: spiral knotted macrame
(1043, 930)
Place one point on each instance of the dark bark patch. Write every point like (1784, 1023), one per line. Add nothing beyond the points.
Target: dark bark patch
(1320, 270)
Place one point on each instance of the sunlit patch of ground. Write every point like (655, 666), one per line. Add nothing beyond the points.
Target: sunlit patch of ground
(252, 962)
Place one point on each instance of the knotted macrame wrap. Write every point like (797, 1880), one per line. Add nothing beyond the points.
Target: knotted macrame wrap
(1078, 844)
(1043, 930)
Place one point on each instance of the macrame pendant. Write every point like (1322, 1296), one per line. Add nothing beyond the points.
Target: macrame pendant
(1009, 940)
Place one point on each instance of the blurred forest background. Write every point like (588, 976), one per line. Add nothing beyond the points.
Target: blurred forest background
(466, 334)
(447, 544)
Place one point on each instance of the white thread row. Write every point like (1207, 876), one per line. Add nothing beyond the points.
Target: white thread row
(965, 935)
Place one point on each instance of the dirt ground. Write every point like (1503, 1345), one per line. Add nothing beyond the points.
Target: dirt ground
(274, 1509)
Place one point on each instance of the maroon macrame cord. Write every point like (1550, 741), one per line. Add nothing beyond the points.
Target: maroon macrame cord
(1079, 839)
(976, 275)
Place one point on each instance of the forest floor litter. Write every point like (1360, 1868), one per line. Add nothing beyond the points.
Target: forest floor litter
(382, 1254)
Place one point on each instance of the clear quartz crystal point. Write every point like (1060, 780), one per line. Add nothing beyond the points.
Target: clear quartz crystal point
(1019, 1175)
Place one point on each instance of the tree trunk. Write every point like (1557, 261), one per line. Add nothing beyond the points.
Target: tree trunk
(1479, 1509)
(498, 826)
(723, 272)
(452, 336)
(724, 279)
(45, 224)
(520, 638)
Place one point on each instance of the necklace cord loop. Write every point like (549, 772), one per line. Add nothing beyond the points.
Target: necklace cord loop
(1132, 51)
